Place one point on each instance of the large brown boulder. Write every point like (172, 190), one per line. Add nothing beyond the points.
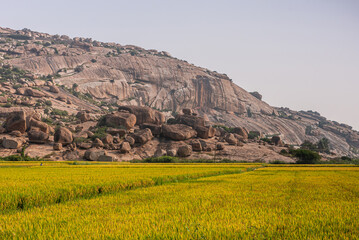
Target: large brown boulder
(187, 111)
(83, 116)
(184, 151)
(220, 146)
(178, 132)
(116, 131)
(63, 135)
(130, 140)
(108, 139)
(155, 128)
(97, 143)
(190, 120)
(142, 136)
(16, 121)
(27, 91)
(54, 89)
(37, 136)
(33, 123)
(144, 114)
(125, 147)
(12, 143)
(94, 154)
(120, 119)
(231, 139)
(241, 131)
(276, 140)
(205, 132)
(196, 145)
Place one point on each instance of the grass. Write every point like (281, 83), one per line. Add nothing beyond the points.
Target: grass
(35, 185)
(275, 202)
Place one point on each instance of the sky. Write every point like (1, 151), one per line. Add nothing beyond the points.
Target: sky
(301, 54)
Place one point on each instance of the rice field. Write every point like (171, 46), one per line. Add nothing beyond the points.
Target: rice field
(193, 201)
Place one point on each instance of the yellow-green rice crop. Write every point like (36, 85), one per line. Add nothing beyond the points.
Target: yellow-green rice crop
(23, 186)
(270, 203)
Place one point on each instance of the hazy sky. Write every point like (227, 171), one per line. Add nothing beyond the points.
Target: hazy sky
(299, 54)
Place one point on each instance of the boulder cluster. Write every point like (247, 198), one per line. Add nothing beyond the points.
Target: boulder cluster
(129, 131)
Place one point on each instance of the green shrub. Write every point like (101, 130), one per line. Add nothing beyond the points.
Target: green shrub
(79, 68)
(7, 105)
(163, 159)
(253, 135)
(225, 128)
(305, 156)
(277, 162)
(267, 140)
(59, 112)
(48, 103)
(100, 133)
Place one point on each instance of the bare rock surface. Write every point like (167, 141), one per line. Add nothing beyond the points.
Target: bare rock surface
(178, 132)
(63, 135)
(154, 80)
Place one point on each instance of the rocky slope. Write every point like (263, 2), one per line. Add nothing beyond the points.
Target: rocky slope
(98, 76)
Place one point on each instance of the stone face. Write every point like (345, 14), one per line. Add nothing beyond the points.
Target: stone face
(38, 124)
(187, 111)
(184, 151)
(142, 136)
(178, 132)
(71, 155)
(196, 145)
(276, 140)
(125, 147)
(145, 114)
(205, 132)
(171, 152)
(54, 89)
(63, 135)
(115, 131)
(37, 136)
(57, 146)
(16, 122)
(120, 119)
(241, 131)
(130, 140)
(94, 154)
(33, 93)
(85, 145)
(16, 133)
(220, 146)
(97, 143)
(105, 158)
(108, 139)
(155, 129)
(12, 143)
(231, 139)
(190, 120)
(256, 95)
(160, 152)
(83, 116)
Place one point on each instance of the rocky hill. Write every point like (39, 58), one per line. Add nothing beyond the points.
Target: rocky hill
(79, 74)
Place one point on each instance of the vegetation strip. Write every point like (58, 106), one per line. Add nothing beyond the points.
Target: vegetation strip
(24, 202)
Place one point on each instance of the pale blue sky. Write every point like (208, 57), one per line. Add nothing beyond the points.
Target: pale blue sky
(298, 54)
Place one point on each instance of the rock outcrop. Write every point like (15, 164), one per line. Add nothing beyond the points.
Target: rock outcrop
(63, 135)
(16, 122)
(178, 132)
(120, 119)
(124, 75)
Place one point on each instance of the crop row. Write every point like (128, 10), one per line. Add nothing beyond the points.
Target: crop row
(266, 204)
(25, 187)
